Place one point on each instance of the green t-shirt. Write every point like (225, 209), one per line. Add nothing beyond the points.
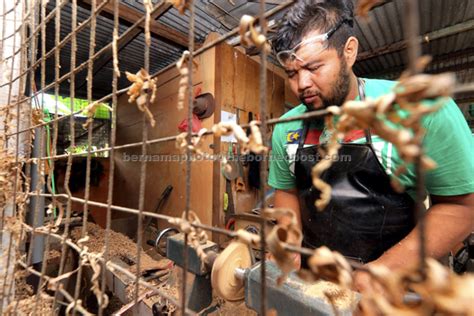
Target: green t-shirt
(448, 141)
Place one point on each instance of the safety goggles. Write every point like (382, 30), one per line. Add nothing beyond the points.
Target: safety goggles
(318, 43)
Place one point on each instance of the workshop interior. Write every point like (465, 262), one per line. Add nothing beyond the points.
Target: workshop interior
(139, 157)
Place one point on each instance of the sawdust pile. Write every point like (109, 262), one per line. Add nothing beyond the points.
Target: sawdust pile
(22, 289)
(154, 298)
(120, 246)
(342, 298)
(53, 254)
(233, 308)
(26, 306)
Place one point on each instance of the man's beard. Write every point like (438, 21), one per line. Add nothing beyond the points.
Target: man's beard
(339, 91)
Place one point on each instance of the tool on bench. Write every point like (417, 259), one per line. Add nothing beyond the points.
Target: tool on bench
(161, 201)
(229, 175)
(162, 239)
(162, 236)
(239, 182)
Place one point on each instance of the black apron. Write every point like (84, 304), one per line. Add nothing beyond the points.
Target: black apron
(365, 216)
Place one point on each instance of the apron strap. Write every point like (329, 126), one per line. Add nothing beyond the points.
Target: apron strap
(361, 84)
(303, 134)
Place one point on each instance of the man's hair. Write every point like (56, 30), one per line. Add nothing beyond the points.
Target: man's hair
(315, 15)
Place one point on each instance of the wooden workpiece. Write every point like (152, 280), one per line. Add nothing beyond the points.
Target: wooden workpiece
(224, 282)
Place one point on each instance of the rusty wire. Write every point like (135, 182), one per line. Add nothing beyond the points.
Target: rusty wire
(113, 134)
(10, 291)
(191, 7)
(89, 145)
(264, 163)
(42, 134)
(412, 30)
(72, 87)
(143, 165)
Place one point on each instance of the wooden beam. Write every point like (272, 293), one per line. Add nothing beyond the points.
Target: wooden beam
(132, 15)
(105, 57)
(398, 46)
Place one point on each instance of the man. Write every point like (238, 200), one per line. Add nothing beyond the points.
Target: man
(366, 219)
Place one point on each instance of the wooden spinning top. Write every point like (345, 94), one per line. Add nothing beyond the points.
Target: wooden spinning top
(223, 278)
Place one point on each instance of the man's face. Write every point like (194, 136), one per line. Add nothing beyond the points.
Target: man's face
(318, 80)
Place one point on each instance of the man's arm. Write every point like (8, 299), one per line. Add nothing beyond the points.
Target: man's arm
(288, 199)
(448, 222)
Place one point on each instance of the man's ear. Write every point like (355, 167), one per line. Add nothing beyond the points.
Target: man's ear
(350, 50)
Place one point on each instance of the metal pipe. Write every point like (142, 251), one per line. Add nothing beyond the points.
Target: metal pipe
(35, 216)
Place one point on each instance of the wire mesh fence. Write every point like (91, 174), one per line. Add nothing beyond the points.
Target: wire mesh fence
(30, 160)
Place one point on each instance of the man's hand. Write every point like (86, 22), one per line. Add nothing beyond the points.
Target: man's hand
(361, 281)
(296, 259)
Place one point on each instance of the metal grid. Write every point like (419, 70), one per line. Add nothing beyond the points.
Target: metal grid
(30, 11)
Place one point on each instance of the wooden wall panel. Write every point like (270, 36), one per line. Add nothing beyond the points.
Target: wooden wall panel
(160, 174)
(233, 78)
(238, 86)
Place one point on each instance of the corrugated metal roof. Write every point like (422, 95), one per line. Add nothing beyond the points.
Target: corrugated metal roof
(383, 28)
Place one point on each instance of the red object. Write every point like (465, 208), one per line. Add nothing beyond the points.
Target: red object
(196, 124)
(312, 137)
(354, 135)
(197, 91)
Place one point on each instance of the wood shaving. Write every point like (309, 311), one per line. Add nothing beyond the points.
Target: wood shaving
(50, 210)
(441, 293)
(148, 8)
(197, 146)
(115, 53)
(253, 143)
(248, 238)
(182, 65)
(143, 92)
(37, 117)
(340, 298)
(181, 5)
(281, 234)
(197, 237)
(92, 260)
(364, 6)
(181, 142)
(249, 35)
(324, 164)
(327, 265)
(196, 140)
(255, 140)
(90, 110)
(77, 305)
